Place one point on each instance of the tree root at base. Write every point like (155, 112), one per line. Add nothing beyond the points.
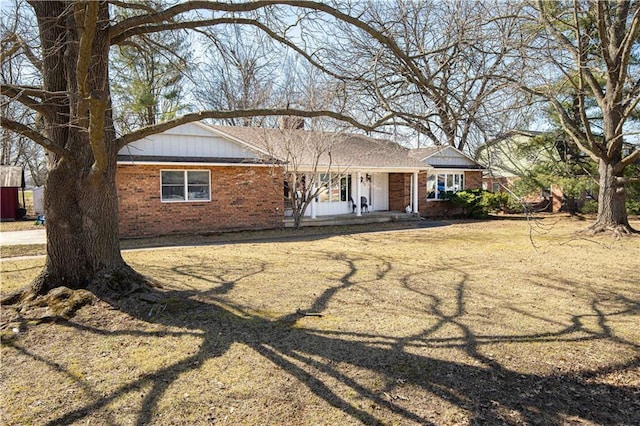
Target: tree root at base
(61, 303)
(44, 300)
(616, 230)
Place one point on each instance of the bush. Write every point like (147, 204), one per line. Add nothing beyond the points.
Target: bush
(633, 206)
(496, 201)
(477, 203)
(514, 205)
(590, 206)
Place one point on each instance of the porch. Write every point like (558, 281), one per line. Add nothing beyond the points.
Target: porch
(352, 219)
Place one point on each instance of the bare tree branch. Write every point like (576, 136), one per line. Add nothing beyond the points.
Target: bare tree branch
(133, 6)
(198, 116)
(633, 157)
(172, 12)
(35, 136)
(17, 43)
(19, 94)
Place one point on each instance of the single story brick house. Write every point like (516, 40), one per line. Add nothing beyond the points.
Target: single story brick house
(448, 170)
(202, 178)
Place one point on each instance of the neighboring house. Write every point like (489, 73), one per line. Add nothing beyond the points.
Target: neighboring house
(509, 158)
(512, 157)
(201, 178)
(448, 170)
(11, 180)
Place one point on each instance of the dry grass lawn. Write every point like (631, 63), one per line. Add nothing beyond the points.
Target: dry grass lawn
(19, 225)
(491, 322)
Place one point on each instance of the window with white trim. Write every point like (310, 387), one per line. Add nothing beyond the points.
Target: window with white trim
(185, 185)
(440, 184)
(334, 188)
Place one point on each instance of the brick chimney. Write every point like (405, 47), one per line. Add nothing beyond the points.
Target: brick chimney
(291, 123)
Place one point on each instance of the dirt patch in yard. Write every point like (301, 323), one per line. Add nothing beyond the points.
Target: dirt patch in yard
(464, 324)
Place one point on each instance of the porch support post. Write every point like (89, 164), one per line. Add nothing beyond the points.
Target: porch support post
(358, 194)
(312, 205)
(415, 192)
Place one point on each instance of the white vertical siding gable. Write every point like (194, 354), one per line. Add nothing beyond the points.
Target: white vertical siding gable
(449, 156)
(188, 140)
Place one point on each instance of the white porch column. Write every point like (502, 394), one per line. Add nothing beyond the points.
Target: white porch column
(358, 194)
(313, 203)
(415, 192)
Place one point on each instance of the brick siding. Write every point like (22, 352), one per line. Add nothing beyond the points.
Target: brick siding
(443, 208)
(399, 191)
(241, 198)
(473, 180)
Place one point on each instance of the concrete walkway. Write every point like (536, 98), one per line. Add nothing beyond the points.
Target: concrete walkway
(38, 236)
(14, 238)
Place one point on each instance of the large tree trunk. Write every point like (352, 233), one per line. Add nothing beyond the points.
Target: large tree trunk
(83, 249)
(612, 213)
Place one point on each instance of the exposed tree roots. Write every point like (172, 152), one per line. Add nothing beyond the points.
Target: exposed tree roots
(615, 229)
(61, 303)
(45, 300)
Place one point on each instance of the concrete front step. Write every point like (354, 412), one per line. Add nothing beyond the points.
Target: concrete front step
(352, 219)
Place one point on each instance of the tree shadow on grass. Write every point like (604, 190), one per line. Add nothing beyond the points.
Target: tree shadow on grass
(490, 393)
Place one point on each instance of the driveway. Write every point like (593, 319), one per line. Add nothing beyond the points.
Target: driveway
(14, 238)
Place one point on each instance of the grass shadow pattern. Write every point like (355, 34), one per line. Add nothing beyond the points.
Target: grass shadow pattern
(367, 374)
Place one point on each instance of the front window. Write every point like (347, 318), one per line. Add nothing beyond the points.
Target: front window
(325, 182)
(345, 188)
(185, 185)
(439, 185)
(334, 188)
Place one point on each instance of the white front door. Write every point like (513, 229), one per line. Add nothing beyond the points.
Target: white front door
(379, 192)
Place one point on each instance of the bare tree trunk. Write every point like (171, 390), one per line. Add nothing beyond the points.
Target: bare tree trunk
(83, 249)
(297, 219)
(612, 213)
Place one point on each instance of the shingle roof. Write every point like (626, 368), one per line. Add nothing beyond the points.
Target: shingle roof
(422, 153)
(342, 150)
(174, 159)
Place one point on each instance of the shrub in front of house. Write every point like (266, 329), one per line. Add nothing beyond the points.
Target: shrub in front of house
(514, 205)
(496, 201)
(477, 203)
